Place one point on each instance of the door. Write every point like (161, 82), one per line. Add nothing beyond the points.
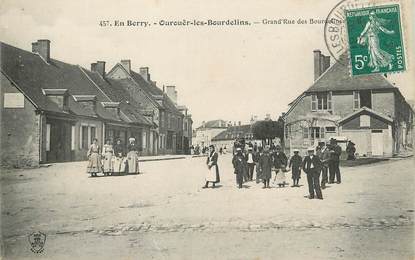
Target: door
(60, 141)
(377, 142)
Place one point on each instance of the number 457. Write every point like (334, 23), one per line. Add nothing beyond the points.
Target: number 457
(359, 61)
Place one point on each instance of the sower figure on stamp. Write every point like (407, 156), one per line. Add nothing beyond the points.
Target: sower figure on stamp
(311, 166)
(334, 170)
(212, 175)
(265, 166)
(251, 160)
(295, 165)
(239, 164)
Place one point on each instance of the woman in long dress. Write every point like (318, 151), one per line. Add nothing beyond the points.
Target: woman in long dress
(107, 162)
(212, 174)
(370, 36)
(94, 160)
(118, 158)
(132, 157)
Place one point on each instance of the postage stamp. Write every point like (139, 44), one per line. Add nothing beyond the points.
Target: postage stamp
(375, 40)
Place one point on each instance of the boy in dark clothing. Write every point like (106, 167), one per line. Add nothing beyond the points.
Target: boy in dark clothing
(295, 165)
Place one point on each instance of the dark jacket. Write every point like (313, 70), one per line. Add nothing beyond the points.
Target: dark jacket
(133, 147)
(213, 160)
(295, 161)
(239, 163)
(119, 150)
(279, 160)
(308, 161)
(336, 151)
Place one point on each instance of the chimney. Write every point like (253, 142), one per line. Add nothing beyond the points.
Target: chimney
(321, 63)
(144, 72)
(42, 47)
(98, 67)
(317, 64)
(172, 93)
(127, 65)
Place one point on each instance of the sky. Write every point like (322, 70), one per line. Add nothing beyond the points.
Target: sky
(222, 72)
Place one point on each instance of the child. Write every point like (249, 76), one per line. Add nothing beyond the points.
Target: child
(295, 165)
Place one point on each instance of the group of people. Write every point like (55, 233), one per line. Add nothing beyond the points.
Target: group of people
(322, 160)
(113, 159)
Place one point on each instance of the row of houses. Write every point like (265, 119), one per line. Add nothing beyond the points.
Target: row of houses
(51, 110)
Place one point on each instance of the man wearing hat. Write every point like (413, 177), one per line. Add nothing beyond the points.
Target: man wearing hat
(334, 169)
(311, 166)
(295, 165)
(265, 166)
(239, 164)
(251, 160)
(324, 154)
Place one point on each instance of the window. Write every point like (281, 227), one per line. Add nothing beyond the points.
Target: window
(144, 140)
(315, 133)
(356, 100)
(305, 133)
(84, 137)
(330, 129)
(169, 144)
(72, 137)
(321, 102)
(93, 134)
(364, 121)
(47, 137)
(365, 98)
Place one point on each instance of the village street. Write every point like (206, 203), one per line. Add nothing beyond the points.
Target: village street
(165, 214)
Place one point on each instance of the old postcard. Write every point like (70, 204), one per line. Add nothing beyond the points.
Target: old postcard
(157, 129)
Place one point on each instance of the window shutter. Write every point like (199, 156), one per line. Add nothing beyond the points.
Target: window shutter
(322, 132)
(47, 137)
(313, 102)
(356, 103)
(329, 102)
(305, 132)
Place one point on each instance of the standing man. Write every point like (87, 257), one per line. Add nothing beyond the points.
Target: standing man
(239, 164)
(334, 169)
(311, 166)
(264, 166)
(324, 155)
(251, 160)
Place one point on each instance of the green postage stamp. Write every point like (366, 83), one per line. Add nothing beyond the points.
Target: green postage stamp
(375, 40)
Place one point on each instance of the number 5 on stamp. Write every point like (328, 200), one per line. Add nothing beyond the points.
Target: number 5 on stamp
(375, 40)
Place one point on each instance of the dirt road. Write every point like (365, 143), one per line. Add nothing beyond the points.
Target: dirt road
(165, 214)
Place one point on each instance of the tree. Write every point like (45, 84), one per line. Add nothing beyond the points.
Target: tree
(267, 130)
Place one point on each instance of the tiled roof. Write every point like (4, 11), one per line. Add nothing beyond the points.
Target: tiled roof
(116, 92)
(233, 132)
(338, 78)
(363, 109)
(214, 124)
(151, 89)
(33, 76)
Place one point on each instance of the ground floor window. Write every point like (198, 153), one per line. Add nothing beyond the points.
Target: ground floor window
(169, 141)
(84, 137)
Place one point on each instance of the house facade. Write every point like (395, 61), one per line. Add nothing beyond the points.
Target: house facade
(204, 134)
(228, 137)
(51, 110)
(368, 110)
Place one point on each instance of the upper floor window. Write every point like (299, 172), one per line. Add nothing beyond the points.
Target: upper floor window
(321, 102)
(362, 98)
